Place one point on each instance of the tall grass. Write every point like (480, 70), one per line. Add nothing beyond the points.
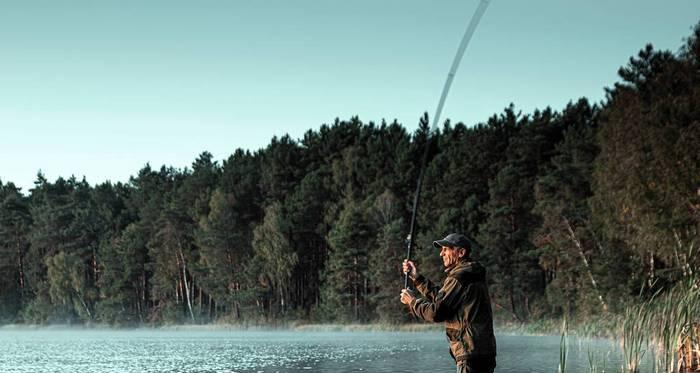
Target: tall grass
(665, 328)
(673, 317)
(667, 324)
(634, 335)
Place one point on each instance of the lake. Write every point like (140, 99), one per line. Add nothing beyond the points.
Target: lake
(47, 350)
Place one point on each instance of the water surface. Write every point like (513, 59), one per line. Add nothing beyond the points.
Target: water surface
(126, 351)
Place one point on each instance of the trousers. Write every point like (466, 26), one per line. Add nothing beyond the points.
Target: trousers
(480, 364)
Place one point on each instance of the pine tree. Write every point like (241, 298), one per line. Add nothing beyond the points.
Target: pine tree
(224, 253)
(174, 258)
(567, 249)
(123, 281)
(345, 288)
(274, 260)
(15, 222)
(647, 173)
(384, 268)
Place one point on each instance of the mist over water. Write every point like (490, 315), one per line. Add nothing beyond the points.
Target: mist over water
(37, 351)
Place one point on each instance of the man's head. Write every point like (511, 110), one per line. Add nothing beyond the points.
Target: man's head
(453, 248)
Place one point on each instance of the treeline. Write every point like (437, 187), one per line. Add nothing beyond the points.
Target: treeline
(578, 213)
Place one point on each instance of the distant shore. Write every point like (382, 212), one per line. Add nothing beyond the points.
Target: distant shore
(292, 326)
(286, 326)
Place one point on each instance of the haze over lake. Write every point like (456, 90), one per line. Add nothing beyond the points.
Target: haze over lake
(43, 350)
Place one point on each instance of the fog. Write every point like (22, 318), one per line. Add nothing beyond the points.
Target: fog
(64, 348)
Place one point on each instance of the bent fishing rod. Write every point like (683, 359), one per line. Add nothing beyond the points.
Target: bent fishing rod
(478, 13)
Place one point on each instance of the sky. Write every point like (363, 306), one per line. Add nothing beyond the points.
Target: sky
(98, 88)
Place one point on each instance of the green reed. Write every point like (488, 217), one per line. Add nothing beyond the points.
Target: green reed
(673, 316)
(634, 333)
(659, 324)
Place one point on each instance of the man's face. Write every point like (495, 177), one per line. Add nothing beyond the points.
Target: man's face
(450, 255)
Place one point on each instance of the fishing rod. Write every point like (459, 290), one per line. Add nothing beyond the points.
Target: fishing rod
(478, 13)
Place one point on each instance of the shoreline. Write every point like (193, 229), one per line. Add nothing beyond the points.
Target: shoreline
(294, 326)
(506, 329)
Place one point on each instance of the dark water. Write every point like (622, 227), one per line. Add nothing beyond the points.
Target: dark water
(38, 351)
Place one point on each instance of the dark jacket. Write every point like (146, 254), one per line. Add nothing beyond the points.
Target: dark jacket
(463, 303)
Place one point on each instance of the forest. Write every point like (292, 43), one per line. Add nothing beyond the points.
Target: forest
(578, 212)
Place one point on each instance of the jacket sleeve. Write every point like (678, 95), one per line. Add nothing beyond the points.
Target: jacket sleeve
(426, 287)
(444, 304)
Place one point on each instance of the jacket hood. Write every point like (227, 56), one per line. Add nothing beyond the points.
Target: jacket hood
(468, 269)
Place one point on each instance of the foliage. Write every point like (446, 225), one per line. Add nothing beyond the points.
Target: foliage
(581, 214)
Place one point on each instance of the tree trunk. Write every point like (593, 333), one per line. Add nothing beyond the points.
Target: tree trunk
(20, 263)
(365, 296)
(282, 305)
(355, 288)
(187, 290)
(95, 270)
(193, 288)
(573, 238)
(527, 307)
(82, 300)
(209, 307)
(200, 300)
(143, 289)
(512, 305)
(138, 302)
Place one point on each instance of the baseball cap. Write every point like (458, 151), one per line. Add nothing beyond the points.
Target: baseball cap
(455, 240)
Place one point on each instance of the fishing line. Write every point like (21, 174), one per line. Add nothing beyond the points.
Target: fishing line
(478, 13)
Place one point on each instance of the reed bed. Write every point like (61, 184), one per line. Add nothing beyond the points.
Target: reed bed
(668, 326)
(634, 333)
(672, 325)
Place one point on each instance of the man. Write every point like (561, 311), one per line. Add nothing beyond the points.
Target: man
(463, 303)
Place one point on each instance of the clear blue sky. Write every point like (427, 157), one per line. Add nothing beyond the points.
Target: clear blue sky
(99, 88)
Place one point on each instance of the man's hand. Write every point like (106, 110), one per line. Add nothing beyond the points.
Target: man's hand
(407, 296)
(410, 268)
